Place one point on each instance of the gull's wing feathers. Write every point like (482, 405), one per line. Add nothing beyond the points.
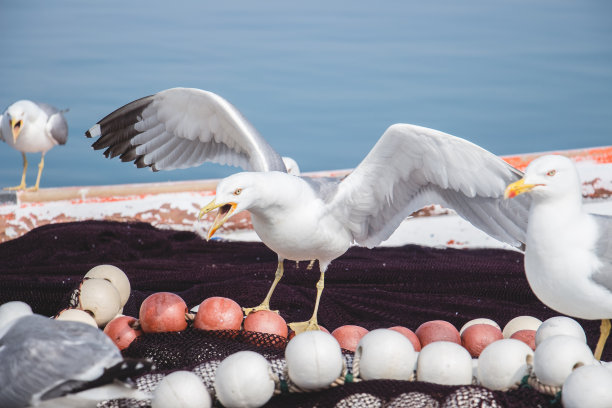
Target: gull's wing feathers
(411, 167)
(603, 250)
(38, 354)
(325, 188)
(183, 127)
(56, 126)
(1, 119)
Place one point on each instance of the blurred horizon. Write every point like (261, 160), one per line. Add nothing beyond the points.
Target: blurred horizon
(320, 81)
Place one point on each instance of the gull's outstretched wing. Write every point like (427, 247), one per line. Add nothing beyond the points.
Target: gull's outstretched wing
(180, 128)
(411, 167)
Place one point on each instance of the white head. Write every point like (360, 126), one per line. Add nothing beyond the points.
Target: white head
(18, 115)
(235, 193)
(548, 177)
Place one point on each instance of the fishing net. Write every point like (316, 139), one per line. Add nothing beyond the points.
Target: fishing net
(376, 288)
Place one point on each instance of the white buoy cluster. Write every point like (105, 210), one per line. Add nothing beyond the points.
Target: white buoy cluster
(104, 291)
(561, 361)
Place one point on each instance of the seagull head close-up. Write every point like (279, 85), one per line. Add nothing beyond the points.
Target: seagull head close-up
(23, 115)
(548, 177)
(235, 193)
(19, 115)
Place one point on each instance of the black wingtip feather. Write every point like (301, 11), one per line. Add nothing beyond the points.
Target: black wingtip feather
(140, 163)
(117, 130)
(129, 154)
(133, 108)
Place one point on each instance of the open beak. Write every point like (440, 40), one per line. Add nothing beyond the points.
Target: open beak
(16, 128)
(518, 187)
(225, 211)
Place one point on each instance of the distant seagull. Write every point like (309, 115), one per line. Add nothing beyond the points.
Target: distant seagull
(32, 127)
(568, 259)
(59, 363)
(304, 218)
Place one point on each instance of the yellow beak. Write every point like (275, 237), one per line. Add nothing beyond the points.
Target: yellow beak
(16, 128)
(518, 187)
(225, 211)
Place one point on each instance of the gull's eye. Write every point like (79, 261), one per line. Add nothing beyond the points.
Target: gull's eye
(237, 191)
(551, 173)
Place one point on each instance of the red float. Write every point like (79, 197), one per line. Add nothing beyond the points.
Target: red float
(218, 313)
(163, 312)
(437, 330)
(123, 330)
(476, 337)
(526, 336)
(266, 321)
(349, 335)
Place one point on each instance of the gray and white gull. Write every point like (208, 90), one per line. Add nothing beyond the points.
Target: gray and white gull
(56, 363)
(32, 127)
(306, 218)
(568, 258)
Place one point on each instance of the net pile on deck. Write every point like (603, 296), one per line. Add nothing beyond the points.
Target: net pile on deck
(376, 288)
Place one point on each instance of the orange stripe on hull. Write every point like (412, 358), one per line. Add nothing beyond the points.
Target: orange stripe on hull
(598, 155)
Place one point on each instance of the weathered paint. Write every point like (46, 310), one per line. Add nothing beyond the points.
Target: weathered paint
(176, 205)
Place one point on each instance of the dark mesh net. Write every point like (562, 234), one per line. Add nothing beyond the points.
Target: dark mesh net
(189, 348)
(375, 288)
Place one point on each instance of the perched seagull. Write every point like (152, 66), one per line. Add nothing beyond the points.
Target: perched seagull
(32, 127)
(568, 259)
(302, 218)
(46, 362)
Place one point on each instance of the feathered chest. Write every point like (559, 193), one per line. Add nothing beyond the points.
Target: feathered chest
(562, 242)
(33, 137)
(302, 231)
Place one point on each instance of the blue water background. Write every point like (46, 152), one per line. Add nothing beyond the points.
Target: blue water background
(320, 80)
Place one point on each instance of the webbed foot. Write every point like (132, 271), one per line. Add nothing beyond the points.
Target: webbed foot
(300, 327)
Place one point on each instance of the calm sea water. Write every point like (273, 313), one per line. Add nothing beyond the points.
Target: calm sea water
(321, 80)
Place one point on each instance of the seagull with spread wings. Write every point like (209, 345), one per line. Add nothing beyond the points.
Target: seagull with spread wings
(304, 218)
